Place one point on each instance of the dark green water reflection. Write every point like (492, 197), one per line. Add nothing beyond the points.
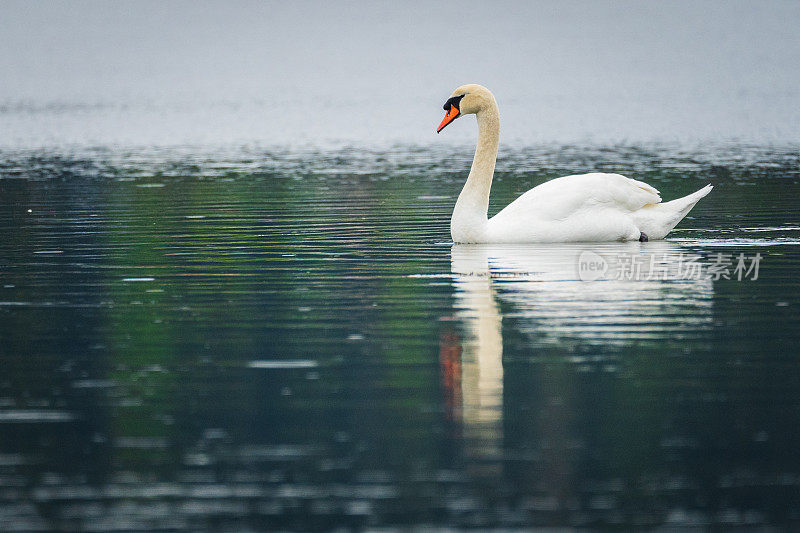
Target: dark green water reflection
(287, 339)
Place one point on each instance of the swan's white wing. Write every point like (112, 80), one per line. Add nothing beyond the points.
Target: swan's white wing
(560, 198)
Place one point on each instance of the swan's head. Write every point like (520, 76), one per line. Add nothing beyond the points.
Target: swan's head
(470, 98)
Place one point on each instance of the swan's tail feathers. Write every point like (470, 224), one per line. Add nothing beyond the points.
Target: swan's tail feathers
(656, 220)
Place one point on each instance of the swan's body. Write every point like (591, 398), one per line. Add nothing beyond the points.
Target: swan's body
(587, 207)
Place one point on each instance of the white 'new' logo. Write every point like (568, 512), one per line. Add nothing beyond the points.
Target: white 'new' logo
(591, 266)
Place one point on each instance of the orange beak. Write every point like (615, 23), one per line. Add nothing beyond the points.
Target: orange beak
(451, 115)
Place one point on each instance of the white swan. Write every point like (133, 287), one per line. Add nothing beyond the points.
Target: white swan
(587, 207)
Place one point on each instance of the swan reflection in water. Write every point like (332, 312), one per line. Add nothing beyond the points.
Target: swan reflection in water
(545, 297)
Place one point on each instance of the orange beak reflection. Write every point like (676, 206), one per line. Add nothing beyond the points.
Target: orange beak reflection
(451, 115)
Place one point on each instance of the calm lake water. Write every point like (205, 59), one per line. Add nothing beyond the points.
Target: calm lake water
(265, 338)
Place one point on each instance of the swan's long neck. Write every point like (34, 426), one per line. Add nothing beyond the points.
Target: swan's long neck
(470, 215)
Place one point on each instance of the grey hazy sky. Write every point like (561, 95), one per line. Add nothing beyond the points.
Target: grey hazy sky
(268, 71)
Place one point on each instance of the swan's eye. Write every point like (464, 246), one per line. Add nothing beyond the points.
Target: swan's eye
(453, 101)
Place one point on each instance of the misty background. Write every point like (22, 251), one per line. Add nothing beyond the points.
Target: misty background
(376, 73)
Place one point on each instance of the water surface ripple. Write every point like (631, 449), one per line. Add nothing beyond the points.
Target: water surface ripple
(269, 338)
